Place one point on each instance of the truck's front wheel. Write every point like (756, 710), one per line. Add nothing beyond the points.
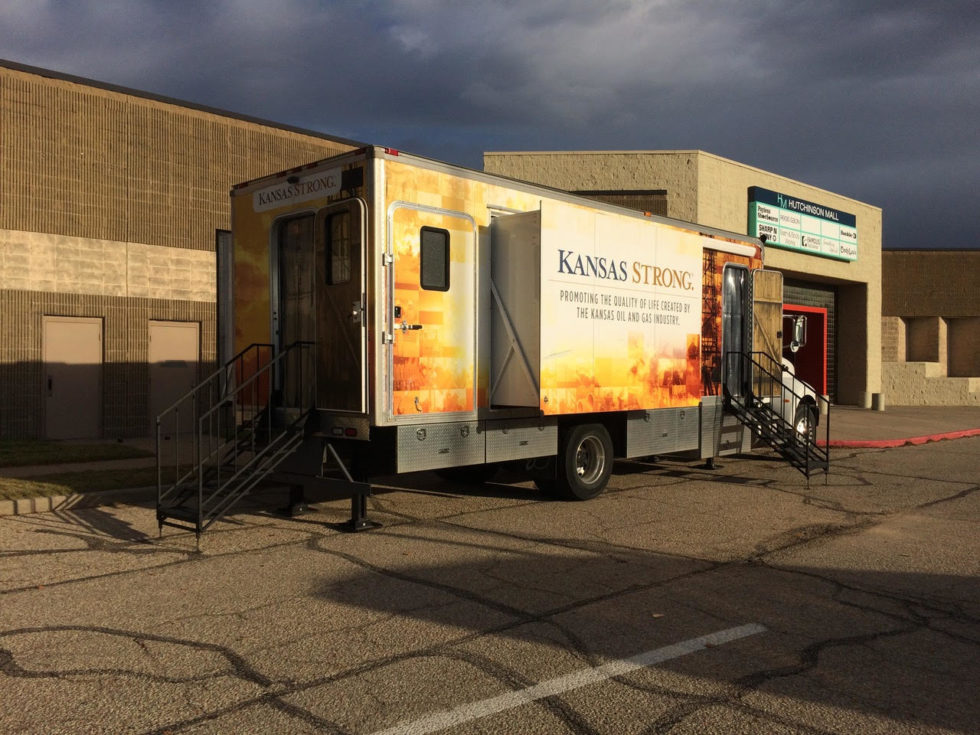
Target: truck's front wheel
(585, 462)
(805, 422)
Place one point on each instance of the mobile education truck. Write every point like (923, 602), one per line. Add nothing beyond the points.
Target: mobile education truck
(422, 316)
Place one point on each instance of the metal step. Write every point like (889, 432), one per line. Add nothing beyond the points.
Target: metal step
(802, 453)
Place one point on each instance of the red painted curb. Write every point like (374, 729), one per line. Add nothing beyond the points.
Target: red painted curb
(888, 443)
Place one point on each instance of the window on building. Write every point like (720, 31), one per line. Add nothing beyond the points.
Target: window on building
(434, 257)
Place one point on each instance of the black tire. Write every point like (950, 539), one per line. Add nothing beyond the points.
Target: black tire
(805, 423)
(476, 474)
(585, 462)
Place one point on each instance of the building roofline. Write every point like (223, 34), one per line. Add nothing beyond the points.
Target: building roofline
(927, 249)
(597, 153)
(51, 74)
(682, 151)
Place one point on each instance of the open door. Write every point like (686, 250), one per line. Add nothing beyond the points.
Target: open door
(767, 317)
(340, 307)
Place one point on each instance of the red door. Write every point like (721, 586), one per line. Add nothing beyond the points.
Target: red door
(810, 360)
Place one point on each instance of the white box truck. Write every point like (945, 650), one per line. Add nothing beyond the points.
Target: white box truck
(412, 315)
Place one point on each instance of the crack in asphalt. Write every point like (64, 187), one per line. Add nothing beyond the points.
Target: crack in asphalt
(808, 658)
(238, 665)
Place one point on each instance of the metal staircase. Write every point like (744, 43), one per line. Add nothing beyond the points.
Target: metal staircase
(229, 433)
(762, 405)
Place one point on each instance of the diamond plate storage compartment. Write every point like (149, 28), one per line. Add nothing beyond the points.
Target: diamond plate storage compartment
(520, 439)
(661, 431)
(435, 446)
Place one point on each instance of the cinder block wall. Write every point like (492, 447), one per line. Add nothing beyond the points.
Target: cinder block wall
(109, 204)
(893, 344)
(964, 347)
(936, 292)
(927, 340)
(930, 283)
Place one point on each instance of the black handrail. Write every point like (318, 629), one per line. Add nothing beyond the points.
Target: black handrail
(760, 389)
(233, 430)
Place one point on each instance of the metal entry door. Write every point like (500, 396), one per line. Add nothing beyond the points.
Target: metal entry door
(173, 355)
(72, 350)
(340, 307)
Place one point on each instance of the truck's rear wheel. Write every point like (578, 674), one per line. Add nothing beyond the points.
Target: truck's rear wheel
(584, 463)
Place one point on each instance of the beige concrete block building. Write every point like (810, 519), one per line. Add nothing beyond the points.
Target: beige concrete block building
(114, 219)
(114, 210)
(930, 347)
(834, 278)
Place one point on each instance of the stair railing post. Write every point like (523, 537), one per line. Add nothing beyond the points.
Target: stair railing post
(159, 477)
(200, 489)
(195, 432)
(176, 435)
(234, 433)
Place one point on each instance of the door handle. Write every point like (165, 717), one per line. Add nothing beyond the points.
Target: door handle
(405, 327)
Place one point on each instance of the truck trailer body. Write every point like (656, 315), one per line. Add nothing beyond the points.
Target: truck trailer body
(454, 318)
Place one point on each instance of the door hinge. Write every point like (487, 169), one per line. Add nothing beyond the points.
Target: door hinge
(387, 259)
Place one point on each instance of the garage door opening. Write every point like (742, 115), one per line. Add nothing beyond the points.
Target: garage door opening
(810, 360)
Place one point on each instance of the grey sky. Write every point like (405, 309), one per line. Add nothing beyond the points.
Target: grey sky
(876, 100)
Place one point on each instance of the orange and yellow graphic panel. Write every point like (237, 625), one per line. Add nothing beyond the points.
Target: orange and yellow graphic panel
(433, 367)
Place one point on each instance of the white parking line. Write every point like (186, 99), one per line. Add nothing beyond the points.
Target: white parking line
(575, 680)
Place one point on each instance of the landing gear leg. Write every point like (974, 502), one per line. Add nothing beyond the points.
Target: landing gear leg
(297, 502)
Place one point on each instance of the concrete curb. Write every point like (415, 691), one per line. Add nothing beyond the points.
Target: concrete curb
(890, 443)
(46, 504)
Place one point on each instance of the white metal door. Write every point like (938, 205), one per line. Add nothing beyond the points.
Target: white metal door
(174, 352)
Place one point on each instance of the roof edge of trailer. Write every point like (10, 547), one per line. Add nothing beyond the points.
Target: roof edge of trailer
(570, 196)
(387, 152)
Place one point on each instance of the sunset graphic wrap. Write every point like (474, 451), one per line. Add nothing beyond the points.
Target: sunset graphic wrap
(620, 313)
(433, 364)
(625, 313)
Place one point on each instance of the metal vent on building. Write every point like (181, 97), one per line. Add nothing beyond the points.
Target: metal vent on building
(653, 201)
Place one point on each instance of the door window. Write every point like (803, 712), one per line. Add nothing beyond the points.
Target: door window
(296, 315)
(337, 248)
(434, 256)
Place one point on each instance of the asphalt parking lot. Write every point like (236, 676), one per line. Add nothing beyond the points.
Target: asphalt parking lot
(683, 600)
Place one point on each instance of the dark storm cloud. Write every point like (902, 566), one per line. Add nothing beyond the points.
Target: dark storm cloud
(877, 101)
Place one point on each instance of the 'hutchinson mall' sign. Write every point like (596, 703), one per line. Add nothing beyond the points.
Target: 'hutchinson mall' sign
(796, 224)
